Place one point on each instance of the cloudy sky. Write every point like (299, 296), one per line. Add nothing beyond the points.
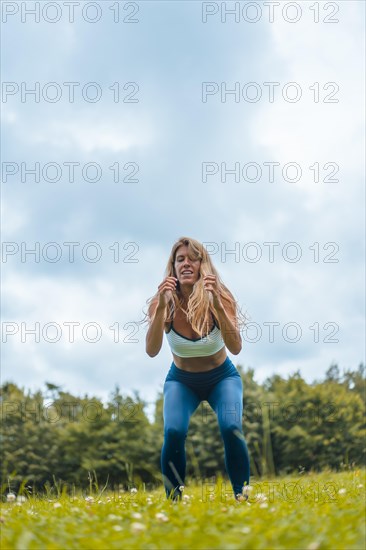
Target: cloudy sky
(153, 120)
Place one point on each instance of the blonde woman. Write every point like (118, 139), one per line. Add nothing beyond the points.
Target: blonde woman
(200, 318)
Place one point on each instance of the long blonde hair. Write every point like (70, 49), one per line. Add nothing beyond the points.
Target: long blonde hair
(200, 303)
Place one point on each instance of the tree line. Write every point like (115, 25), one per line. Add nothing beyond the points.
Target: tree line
(53, 437)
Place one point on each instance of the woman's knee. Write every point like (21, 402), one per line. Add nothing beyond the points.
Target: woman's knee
(174, 433)
(231, 430)
(229, 414)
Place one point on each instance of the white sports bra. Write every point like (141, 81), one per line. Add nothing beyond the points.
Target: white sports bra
(198, 347)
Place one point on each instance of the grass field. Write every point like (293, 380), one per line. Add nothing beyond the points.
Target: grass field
(309, 511)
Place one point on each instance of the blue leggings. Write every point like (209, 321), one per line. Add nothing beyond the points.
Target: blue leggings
(183, 391)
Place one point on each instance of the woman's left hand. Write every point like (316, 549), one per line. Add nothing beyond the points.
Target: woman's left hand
(210, 284)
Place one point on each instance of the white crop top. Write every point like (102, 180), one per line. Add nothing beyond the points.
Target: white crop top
(199, 347)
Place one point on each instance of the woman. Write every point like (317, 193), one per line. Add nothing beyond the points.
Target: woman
(205, 317)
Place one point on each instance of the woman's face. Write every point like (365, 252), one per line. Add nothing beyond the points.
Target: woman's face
(187, 270)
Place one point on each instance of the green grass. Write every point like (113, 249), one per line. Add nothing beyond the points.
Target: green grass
(309, 511)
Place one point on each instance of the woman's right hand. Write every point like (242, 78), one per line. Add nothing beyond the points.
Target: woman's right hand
(165, 290)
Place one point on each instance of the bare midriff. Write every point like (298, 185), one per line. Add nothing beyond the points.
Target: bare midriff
(194, 364)
(200, 364)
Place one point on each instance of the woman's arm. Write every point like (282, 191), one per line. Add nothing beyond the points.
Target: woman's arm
(227, 317)
(154, 336)
(228, 326)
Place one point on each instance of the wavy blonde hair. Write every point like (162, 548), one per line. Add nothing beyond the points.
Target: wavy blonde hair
(200, 303)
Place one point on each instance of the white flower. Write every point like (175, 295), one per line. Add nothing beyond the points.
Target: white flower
(117, 528)
(10, 497)
(161, 517)
(245, 530)
(342, 491)
(137, 527)
(89, 499)
(21, 498)
(133, 490)
(186, 497)
(313, 545)
(137, 515)
(181, 488)
(57, 505)
(247, 489)
(261, 497)
(263, 505)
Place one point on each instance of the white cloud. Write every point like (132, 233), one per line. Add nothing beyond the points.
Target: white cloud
(89, 136)
(9, 116)
(82, 133)
(15, 219)
(306, 131)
